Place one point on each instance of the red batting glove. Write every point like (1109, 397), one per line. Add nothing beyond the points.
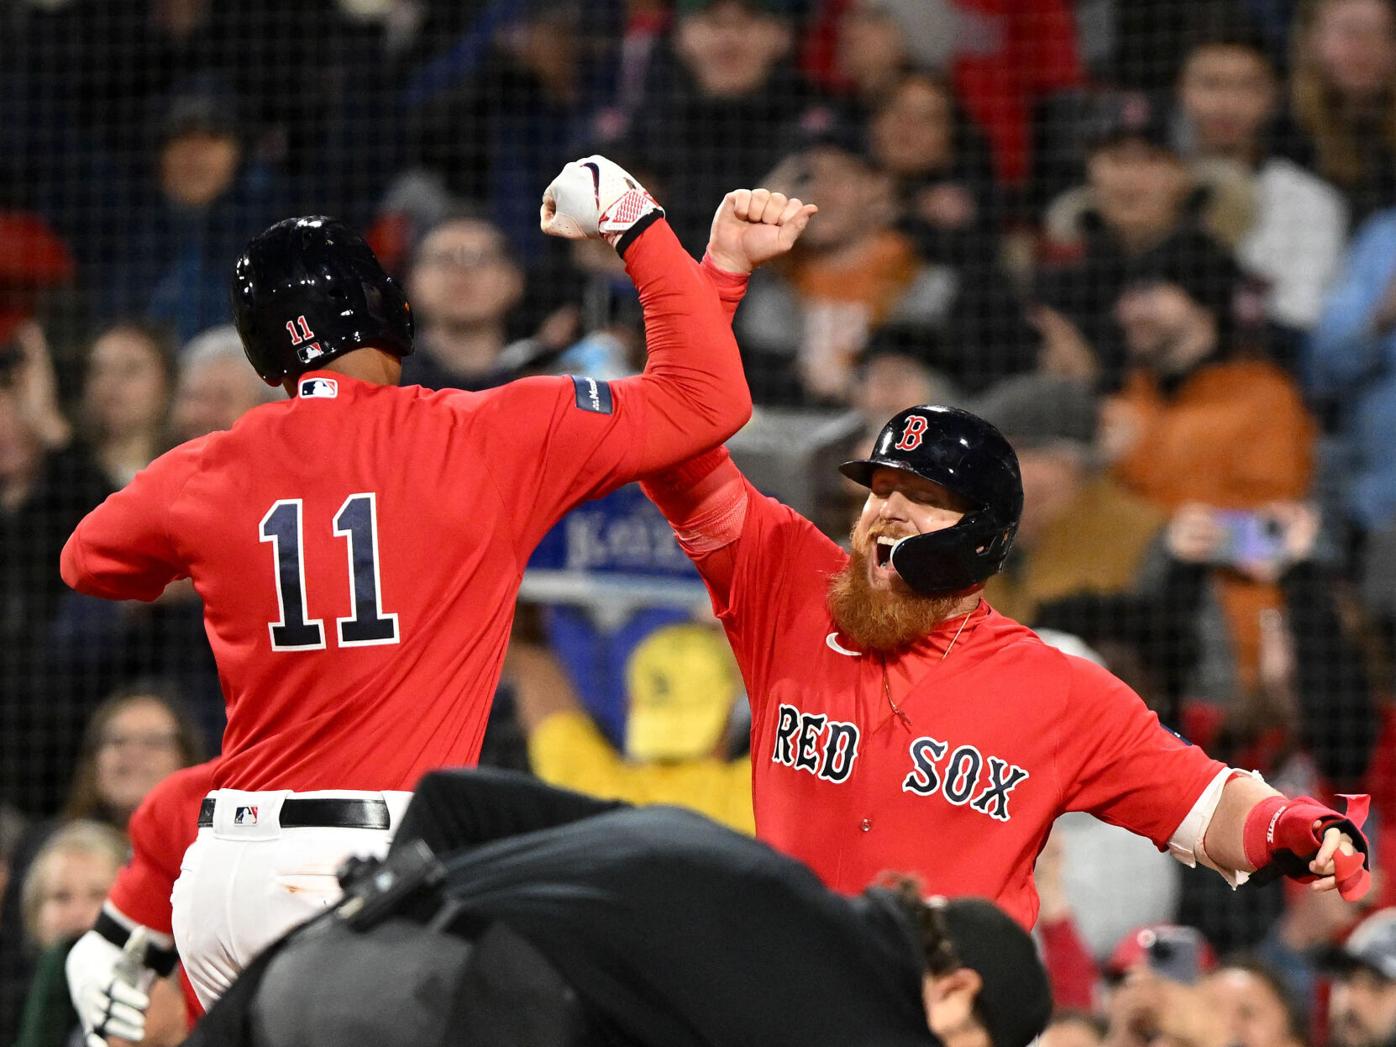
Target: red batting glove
(1284, 835)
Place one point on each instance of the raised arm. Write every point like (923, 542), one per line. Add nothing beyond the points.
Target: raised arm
(558, 441)
(705, 498)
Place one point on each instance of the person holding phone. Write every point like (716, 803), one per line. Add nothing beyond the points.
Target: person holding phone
(1208, 433)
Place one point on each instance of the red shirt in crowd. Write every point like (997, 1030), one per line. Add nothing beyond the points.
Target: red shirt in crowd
(949, 760)
(359, 547)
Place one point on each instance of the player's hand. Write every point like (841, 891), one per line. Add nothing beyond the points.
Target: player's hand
(1336, 862)
(595, 198)
(753, 226)
(110, 997)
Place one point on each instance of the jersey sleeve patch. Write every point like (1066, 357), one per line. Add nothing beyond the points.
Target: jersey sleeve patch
(593, 396)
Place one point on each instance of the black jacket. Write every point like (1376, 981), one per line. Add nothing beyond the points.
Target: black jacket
(671, 930)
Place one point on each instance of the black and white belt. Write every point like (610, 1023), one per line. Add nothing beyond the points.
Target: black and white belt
(315, 812)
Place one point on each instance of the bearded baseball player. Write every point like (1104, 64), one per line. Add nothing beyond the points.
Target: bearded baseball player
(113, 967)
(899, 722)
(358, 547)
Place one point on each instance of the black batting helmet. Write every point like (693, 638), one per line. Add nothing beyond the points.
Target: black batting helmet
(969, 457)
(309, 289)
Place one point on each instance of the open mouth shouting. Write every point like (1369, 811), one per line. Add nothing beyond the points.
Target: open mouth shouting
(880, 568)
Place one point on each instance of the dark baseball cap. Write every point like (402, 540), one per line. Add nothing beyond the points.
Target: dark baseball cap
(1121, 116)
(1371, 947)
(1015, 998)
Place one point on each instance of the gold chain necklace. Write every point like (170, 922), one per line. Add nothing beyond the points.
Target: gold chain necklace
(887, 685)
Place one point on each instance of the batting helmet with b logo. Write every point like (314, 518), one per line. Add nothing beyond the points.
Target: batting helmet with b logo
(968, 457)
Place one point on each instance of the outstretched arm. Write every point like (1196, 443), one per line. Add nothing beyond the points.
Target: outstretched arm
(1256, 828)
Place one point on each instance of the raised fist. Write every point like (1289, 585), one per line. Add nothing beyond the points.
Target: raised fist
(753, 226)
(596, 198)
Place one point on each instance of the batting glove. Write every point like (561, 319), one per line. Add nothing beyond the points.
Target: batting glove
(110, 987)
(595, 198)
(1282, 836)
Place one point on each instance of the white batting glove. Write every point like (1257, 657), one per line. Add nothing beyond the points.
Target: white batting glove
(596, 198)
(110, 987)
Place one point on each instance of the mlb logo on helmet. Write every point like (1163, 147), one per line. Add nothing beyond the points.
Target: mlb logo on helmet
(324, 388)
(245, 816)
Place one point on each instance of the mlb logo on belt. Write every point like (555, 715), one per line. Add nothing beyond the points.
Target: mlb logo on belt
(324, 388)
(245, 816)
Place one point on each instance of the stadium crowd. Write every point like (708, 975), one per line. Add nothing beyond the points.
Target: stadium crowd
(1155, 243)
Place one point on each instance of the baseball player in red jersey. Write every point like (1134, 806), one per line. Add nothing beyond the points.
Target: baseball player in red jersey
(109, 1000)
(358, 547)
(899, 722)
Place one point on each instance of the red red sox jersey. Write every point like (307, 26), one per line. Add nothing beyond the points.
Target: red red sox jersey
(358, 547)
(993, 741)
(160, 830)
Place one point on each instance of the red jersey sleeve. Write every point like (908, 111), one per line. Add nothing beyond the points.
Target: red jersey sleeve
(122, 550)
(553, 442)
(1120, 764)
(776, 571)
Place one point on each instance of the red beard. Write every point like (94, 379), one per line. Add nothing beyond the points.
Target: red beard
(877, 620)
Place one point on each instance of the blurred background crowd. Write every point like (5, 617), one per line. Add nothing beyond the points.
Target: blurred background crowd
(1154, 241)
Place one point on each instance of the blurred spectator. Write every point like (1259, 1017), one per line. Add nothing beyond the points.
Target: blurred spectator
(1153, 973)
(1140, 200)
(1362, 1003)
(1228, 95)
(216, 385)
(126, 398)
(1343, 91)
(62, 895)
(499, 137)
(892, 375)
(875, 41)
(1196, 422)
(681, 686)
(1350, 365)
(734, 84)
(1307, 931)
(11, 832)
(1070, 968)
(1072, 1028)
(463, 283)
(1310, 684)
(134, 739)
(68, 880)
(1253, 1005)
(1080, 530)
(950, 207)
(918, 134)
(195, 209)
(855, 273)
(48, 482)
(1006, 58)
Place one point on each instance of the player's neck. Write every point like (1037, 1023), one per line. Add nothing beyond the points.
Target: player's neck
(366, 365)
(962, 607)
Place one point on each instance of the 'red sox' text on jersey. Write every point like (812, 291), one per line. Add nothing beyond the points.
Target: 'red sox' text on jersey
(951, 766)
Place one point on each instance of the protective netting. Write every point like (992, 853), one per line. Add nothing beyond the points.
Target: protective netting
(1150, 241)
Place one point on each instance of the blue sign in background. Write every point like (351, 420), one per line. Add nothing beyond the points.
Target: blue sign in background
(622, 533)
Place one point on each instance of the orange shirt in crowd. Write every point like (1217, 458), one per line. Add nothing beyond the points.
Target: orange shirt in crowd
(1234, 435)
